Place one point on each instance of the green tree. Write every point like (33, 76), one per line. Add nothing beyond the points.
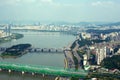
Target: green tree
(111, 62)
(73, 78)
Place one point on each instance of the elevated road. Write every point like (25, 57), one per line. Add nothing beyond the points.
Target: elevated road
(69, 59)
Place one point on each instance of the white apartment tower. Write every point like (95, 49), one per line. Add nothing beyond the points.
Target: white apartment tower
(100, 54)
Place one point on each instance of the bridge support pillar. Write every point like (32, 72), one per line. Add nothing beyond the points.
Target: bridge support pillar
(23, 72)
(9, 71)
(43, 75)
(57, 78)
(0, 69)
(33, 73)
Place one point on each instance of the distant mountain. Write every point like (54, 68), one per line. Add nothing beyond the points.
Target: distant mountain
(61, 23)
(79, 23)
(111, 24)
(87, 23)
(83, 23)
(115, 24)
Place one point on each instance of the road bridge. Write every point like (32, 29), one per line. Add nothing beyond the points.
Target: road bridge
(45, 70)
(46, 50)
(39, 50)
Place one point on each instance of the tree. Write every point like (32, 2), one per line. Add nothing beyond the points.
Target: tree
(111, 62)
(73, 78)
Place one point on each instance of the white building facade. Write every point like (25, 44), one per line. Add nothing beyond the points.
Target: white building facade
(100, 54)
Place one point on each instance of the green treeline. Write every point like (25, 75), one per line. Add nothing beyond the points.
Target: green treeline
(111, 62)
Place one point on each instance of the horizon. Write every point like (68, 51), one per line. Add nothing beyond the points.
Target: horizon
(55, 22)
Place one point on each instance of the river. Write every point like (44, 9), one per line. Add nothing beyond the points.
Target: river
(38, 40)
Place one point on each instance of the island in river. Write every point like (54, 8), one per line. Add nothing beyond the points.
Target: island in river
(16, 50)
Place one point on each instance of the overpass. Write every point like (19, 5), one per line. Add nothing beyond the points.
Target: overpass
(45, 70)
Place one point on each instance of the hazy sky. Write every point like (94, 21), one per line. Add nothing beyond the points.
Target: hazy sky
(60, 10)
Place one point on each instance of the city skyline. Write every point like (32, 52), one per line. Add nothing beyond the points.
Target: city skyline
(60, 10)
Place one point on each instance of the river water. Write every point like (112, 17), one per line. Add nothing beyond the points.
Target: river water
(38, 40)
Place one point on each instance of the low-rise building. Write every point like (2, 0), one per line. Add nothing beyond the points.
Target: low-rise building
(85, 35)
(2, 34)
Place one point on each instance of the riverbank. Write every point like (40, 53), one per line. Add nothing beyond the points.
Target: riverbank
(72, 57)
(11, 37)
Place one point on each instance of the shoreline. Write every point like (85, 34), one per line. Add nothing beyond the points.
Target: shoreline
(11, 37)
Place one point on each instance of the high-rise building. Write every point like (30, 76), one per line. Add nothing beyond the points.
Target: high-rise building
(7, 29)
(100, 54)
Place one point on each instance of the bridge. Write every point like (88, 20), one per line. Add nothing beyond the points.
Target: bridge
(45, 70)
(38, 50)
(46, 50)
